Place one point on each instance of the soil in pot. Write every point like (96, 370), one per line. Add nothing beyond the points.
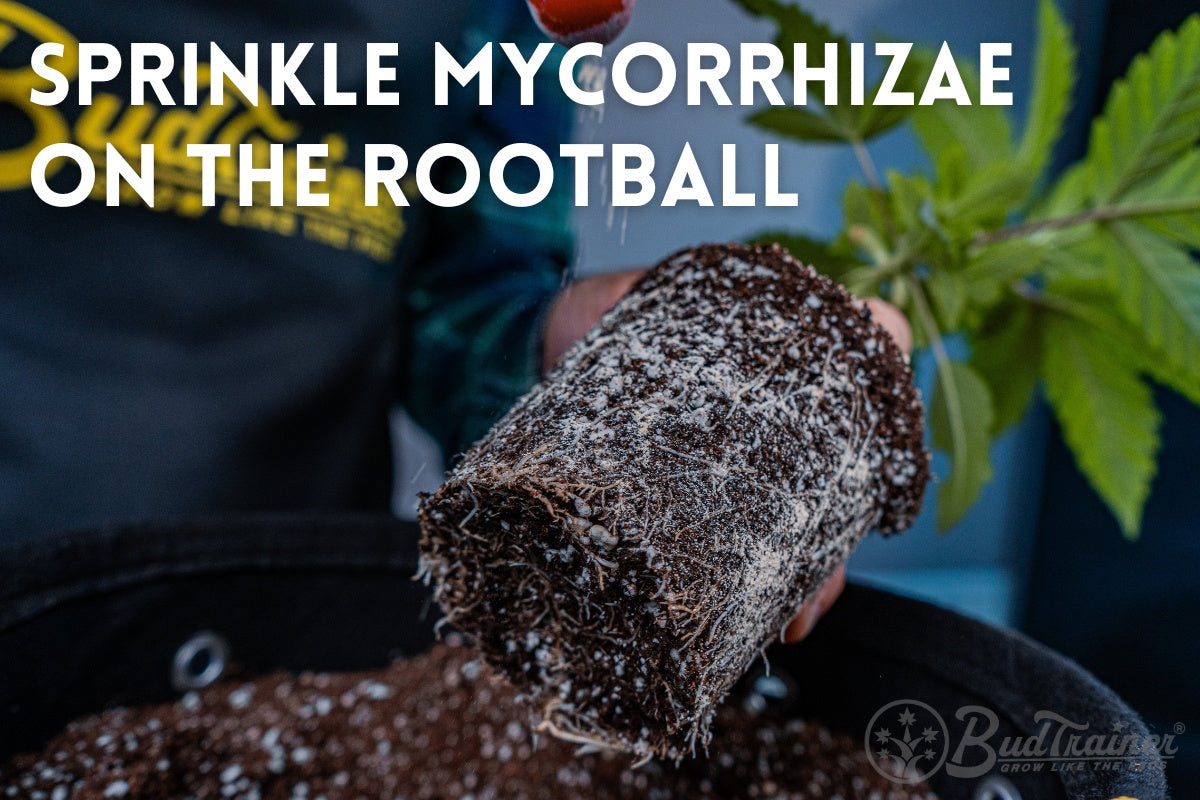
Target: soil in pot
(441, 725)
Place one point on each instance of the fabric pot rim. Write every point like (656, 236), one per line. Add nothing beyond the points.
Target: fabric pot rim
(98, 618)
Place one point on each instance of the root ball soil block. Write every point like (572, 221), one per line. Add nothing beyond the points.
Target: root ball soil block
(624, 543)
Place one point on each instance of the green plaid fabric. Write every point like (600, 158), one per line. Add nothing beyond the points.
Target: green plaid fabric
(475, 300)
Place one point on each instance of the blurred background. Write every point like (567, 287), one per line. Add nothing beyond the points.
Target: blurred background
(1038, 551)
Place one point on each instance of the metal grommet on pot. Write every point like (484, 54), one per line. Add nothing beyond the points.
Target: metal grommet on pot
(199, 662)
(996, 788)
(761, 689)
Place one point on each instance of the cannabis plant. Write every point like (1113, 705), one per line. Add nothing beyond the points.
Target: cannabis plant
(1084, 283)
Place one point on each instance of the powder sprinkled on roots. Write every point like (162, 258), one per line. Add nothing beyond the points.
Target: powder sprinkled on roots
(624, 543)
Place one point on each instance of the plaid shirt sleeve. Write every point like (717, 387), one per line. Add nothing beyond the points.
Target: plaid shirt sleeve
(476, 300)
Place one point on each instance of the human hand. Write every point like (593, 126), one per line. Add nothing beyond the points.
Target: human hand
(888, 316)
(578, 307)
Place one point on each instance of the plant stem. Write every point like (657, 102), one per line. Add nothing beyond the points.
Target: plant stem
(905, 257)
(1099, 214)
(928, 323)
(867, 164)
(865, 238)
(879, 193)
(1035, 297)
(958, 432)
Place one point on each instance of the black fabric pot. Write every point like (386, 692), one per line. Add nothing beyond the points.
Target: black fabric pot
(97, 619)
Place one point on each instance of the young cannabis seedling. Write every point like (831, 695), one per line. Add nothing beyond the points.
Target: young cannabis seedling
(1084, 283)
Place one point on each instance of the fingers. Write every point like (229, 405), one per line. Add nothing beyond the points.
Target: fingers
(893, 321)
(816, 606)
(579, 306)
(608, 289)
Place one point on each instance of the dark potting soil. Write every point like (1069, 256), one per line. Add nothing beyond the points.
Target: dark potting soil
(628, 539)
(441, 725)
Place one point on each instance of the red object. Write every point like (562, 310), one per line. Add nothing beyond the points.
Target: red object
(570, 22)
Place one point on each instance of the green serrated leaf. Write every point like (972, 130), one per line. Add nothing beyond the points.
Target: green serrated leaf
(864, 207)
(1069, 194)
(1151, 117)
(1171, 201)
(870, 120)
(910, 195)
(980, 181)
(801, 124)
(798, 26)
(990, 270)
(1091, 301)
(1074, 259)
(1006, 351)
(961, 420)
(1160, 372)
(1053, 81)
(1106, 412)
(983, 133)
(952, 172)
(988, 196)
(1157, 287)
(842, 122)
